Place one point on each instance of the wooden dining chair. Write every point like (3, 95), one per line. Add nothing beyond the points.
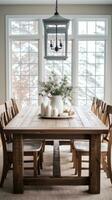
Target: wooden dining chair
(15, 112)
(81, 148)
(94, 109)
(30, 149)
(11, 111)
(98, 107)
(95, 106)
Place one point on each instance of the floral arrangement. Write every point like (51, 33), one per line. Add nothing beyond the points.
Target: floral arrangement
(54, 86)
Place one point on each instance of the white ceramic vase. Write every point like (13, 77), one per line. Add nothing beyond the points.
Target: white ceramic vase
(57, 102)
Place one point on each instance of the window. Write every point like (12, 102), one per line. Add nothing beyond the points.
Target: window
(91, 60)
(84, 67)
(24, 61)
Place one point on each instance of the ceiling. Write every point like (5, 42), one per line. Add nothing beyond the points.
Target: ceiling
(53, 1)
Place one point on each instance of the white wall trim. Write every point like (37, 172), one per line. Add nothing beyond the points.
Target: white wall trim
(108, 70)
(8, 84)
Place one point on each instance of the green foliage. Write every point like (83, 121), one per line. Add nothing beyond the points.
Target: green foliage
(56, 87)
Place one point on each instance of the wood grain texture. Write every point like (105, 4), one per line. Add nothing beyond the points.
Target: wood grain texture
(94, 168)
(85, 125)
(28, 121)
(56, 180)
(56, 159)
(18, 164)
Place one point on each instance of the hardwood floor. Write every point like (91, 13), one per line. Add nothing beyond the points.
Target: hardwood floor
(56, 192)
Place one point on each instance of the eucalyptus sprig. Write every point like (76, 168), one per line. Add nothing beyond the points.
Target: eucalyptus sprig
(54, 86)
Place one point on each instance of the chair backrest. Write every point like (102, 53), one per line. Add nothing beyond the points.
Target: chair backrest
(15, 107)
(93, 106)
(109, 112)
(9, 110)
(3, 110)
(106, 118)
(8, 116)
(4, 138)
(100, 108)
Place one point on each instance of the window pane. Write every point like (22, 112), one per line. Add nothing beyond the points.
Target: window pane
(23, 27)
(82, 69)
(24, 59)
(100, 93)
(82, 93)
(100, 27)
(91, 81)
(91, 46)
(82, 81)
(82, 46)
(100, 69)
(90, 93)
(91, 27)
(25, 69)
(82, 27)
(100, 46)
(91, 69)
(100, 81)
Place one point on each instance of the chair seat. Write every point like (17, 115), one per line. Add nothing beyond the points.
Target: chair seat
(84, 146)
(29, 146)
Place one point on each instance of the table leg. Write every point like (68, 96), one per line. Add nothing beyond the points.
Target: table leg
(18, 164)
(94, 168)
(56, 159)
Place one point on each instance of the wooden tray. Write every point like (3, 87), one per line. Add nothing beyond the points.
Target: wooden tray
(58, 117)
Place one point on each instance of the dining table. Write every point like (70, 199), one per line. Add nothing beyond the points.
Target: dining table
(84, 125)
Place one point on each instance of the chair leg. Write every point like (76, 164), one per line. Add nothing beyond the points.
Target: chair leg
(76, 166)
(109, 159)
(71, 145)
(6, 167)
(35, 163)
(43, 146)
(41, 159)
(79, 164)
(105, 165)
(74, 157)
(38, 163)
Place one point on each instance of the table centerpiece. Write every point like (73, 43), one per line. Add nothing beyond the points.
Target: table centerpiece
(59, 92)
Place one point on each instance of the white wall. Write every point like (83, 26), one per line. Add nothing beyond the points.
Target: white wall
(42, 10)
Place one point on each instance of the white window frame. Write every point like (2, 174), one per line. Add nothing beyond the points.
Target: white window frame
(107, 38)
(74, 37)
